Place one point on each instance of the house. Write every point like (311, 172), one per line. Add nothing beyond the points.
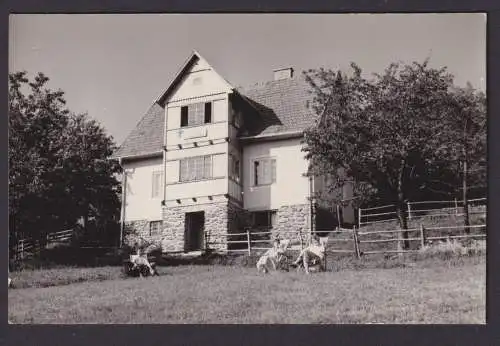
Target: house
(209, 159)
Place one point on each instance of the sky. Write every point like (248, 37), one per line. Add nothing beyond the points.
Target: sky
(114, 66)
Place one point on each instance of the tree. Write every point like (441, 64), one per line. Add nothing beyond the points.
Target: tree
(91, 175)
(35, 123)
(58, 162)
(378, 130)
(464, 145)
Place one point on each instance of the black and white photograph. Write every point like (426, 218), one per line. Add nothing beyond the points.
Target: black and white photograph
(264, 168)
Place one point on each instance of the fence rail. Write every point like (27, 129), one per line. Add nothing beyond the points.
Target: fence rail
(25, 246)
(415, 210)
(358, 241)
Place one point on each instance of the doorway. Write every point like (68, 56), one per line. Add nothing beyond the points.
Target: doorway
(194, 231)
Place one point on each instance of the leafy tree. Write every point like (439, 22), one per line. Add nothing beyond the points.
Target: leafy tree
(463, 145)
(378, 131)
(58, 166)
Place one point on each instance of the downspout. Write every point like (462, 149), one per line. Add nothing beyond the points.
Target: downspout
(124, 194)
(164, 159)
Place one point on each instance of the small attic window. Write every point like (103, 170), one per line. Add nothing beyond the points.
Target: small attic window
(197, 81)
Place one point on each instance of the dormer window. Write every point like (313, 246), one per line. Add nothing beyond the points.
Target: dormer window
(196, 114)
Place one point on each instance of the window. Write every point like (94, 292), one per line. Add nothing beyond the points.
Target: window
(157, 184)
(264, 171)
(196, 168)
(196, 114)
(264, 219)
(234, 167)
(155, 227)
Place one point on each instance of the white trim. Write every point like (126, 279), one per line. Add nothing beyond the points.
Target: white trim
(189, 100)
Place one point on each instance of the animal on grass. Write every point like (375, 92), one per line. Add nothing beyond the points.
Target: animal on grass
(274, 257)
(313, 255)
(139, 265)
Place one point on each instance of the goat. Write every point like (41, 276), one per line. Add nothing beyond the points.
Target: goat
(273, 257)
(140, 264)
(314, 254)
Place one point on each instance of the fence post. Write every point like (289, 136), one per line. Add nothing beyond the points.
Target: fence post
(249, 242)
(359, 217)
(22, 248)
(422, 236)
(356, 243)
(456, 207)
(338, 215)
(409, 210)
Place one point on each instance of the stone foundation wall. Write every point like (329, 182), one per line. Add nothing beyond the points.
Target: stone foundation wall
(138, 232)
(220, 218)
(135, 231)
(292, 221)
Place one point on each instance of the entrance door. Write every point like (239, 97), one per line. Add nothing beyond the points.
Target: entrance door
(194, 231)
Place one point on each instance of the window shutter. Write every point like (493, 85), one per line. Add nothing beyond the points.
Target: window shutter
(184, 170)
(184, 116)
(196, 168)
(208, 166)
(208, 112)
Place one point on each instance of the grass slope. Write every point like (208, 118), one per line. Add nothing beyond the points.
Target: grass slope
(421, 293)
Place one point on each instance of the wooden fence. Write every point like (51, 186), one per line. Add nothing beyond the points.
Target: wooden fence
(25, 246)
(356, 241)
(419, 209)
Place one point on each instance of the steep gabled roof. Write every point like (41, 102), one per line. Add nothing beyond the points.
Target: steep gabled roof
(146, 138)
(193, 58)
(283, 105)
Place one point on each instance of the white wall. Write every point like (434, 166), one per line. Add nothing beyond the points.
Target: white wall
(139, 204)
(198, 189)
(200, 80)
(290, 188)
(206, 139)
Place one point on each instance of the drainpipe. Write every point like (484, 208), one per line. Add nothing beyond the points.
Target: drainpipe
(124, 194)
(165, 156)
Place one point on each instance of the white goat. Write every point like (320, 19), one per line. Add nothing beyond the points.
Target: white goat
(140, 260)
(273, 257)
(315, 252)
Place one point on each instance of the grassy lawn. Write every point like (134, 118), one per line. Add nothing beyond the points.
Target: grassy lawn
(443, 292)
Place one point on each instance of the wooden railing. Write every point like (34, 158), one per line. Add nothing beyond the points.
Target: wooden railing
(24, 246)
(356, 241)
(416, 210)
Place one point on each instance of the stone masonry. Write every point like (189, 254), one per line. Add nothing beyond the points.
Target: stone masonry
(135, 231)
(220, 218)
(292, 221)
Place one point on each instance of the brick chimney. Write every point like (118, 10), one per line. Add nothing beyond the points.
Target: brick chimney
(283, 73)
